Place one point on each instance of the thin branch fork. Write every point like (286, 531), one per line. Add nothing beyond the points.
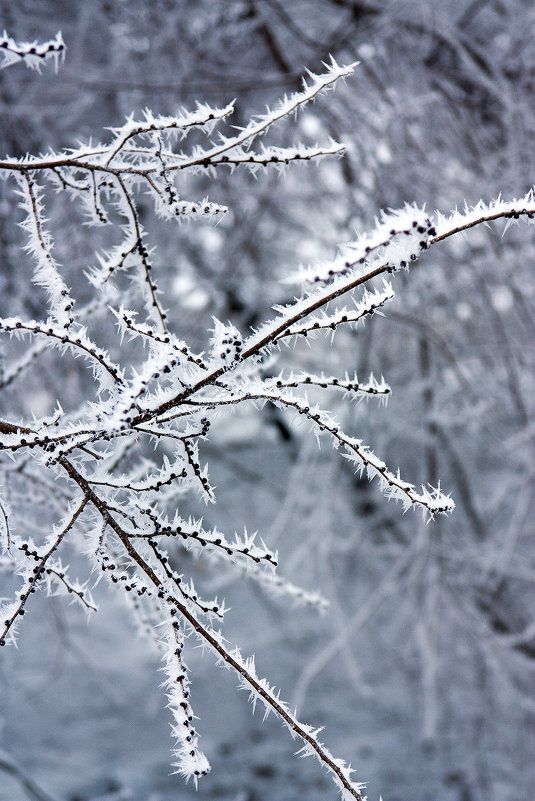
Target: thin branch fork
(322, 754)
(257, 346)
(278, 330)
(39, 570)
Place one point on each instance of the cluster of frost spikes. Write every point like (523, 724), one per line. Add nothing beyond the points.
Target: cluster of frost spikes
(510, 210)
(397, 240)
(191, 762)
(33, 54)
(91, 463)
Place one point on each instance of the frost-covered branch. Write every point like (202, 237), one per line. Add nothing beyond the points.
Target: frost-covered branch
(150, 388)
(33, 54)
(12, 613)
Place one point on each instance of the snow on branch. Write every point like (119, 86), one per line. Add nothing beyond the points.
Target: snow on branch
(231, 146)
(11, 613)
(57, 337)
(191, 763)
(33, 54)
(203, 117)
(483, 213)
(397, 239)
(47, 271)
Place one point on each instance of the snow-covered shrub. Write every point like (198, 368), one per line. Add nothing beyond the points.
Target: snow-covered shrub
(117, 467)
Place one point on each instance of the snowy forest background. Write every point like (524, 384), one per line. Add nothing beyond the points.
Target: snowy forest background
(422, 668)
